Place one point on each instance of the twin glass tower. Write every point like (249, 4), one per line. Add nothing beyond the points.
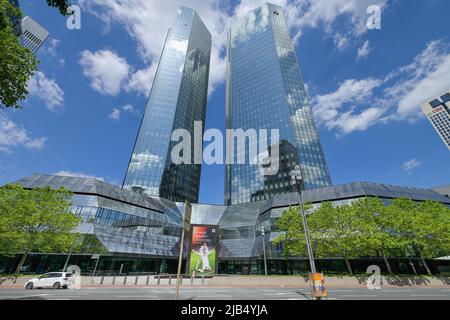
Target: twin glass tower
(265, 90)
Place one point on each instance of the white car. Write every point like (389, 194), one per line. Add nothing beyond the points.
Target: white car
(54, 280)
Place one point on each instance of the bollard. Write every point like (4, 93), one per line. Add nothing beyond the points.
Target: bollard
(159, 279)
(136, 280)
(101, 280)
(114, 280)
(148, 279)
(170, 279)
(125, 280)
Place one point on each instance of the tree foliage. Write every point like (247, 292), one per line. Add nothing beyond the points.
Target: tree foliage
(37, 220)
(368, 227)
(17, 64)
(62, 5)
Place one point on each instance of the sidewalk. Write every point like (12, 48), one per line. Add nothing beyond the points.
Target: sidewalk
(245, 282)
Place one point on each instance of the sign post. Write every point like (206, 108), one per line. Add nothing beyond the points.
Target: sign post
(186, 226)
(95, 257)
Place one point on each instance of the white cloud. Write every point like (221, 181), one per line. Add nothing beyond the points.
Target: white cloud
(364, 51)
(325, 13)
(148, 21)
(349, 122)
(426, 77)
(51, 50)
(47, 90)
(141, 80)
(354, 105)
(340, 41)
(77, 175)
(13, 135)
(128, 108)
(410, 165)
(106, 71)
(51, 47)
(115, 114)
(327, 107)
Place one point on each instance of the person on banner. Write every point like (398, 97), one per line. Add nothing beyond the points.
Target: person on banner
(204, 253)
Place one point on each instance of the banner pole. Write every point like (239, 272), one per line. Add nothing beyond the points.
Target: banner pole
(186, 226)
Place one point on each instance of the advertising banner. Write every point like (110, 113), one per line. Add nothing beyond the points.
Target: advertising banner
(203, 253)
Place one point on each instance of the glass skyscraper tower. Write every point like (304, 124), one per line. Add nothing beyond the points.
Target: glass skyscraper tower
(265, 90)
(177, 99)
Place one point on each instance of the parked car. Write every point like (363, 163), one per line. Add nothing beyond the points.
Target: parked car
(54, 280)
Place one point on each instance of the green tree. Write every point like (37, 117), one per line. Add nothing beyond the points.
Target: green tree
(62, 5)
(17, 64)
(376, 226)
(338, 231)
(37, 220)
(292, 234)
(425, 227)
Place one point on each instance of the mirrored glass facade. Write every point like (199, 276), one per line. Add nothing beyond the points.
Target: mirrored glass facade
(265, 90)
(177, 99)
(123, 222)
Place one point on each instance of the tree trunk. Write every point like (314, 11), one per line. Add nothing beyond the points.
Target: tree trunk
(424, 263)
(22, 261)
(349, 266)
(386, 261)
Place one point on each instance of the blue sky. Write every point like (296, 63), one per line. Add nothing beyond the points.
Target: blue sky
(366, 87)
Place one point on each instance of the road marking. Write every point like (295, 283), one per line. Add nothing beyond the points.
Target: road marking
(137, 296)
(429, 295)
(282, 293)
(358, 296)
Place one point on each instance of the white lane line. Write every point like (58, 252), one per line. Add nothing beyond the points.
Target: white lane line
(147, 297)
(429, 295)
(215, 296)
(358, 296)
(395, 290)
(282, 293)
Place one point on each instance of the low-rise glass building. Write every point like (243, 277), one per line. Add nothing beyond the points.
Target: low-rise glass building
(137, 233)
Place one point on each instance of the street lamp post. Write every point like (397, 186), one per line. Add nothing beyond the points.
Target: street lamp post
(264, 249)
(297, 180)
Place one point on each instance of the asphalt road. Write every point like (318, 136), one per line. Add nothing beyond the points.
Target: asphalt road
(222, 294)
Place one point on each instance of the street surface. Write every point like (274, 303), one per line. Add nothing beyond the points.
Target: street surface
(222, 293)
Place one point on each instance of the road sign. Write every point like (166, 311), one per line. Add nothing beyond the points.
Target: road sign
(318, 285)
(95, 257)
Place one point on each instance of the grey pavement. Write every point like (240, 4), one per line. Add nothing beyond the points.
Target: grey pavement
(209, 293)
